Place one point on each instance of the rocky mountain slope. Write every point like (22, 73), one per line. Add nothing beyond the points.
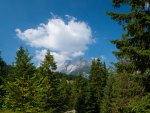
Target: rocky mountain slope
(74, 67)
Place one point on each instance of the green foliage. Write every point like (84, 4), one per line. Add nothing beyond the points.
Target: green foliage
(27, 89)
(3, 73)
(19, 84)
(30, 90)
(142, 105)
(130, 90)
(125, 88)
(107, 98)
(46, 71)
(7, 111)
(64, 90)
(3, 68)
(48, 65)
(23, 65)
(97, 82)
(122, 90)
(78, 96)
(134, 48)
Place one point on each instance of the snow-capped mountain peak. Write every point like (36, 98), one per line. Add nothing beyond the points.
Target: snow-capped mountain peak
(78, 66)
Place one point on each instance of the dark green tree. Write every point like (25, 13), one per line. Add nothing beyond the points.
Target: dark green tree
(133, 55)
(78, 95)
(134, 47)
(47, 71)
(97, 82)
(3, 73)
(142, 105)
(19, 84)
(126, 88)
(107, 98)
(3, 67)
(64, 89)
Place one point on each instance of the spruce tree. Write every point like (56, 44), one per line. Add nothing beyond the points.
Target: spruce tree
(64, 89)
(19, 84)
(97, 82)
(142, 105)
(131, 84)
(46, 71)
(79, 94)
(3, 73)
(126, 88)
(3, 67)
(107, 98)
(134, 47)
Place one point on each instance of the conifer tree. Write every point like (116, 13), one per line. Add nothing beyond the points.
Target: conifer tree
(19, 84)
(131, 84)
(126, 88)
(3, 67)
(3, 73)
(64, 89)
(97, 82)
(78, 97)
(107, 98)
(46, 70)
(134, 47)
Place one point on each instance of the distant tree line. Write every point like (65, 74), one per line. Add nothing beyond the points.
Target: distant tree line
(25, 88)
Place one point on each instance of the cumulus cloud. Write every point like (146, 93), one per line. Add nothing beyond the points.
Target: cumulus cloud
(59, 57)
(65, 39)
(40, 54)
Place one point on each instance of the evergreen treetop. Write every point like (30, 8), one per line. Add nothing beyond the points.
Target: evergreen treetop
(134, 47)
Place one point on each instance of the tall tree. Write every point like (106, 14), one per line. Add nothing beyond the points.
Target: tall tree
(126, 88)
(134, 47)
(97, 82)
(19, 84)
(64, 90)
(131, 84)
(3, 67)
(3, 73)
(78, 95)
(107, 98)
(46, 70)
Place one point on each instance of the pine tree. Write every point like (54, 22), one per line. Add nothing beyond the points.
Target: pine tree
(133, 56)
(64, 89)
(142, 105)
(3, 67)
(134, 47)
(46, 71)
(78, 95)
(3, 73)
(126, 88)
(107, 98)
(19, 84)
(97, 82)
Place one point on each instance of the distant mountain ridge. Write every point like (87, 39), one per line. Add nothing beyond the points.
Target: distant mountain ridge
(75, 67)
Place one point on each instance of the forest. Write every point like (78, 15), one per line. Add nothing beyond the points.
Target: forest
(25, 88)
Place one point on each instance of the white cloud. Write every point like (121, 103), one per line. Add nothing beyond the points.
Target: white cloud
(65, 39)
(40, 54)
(60, 58)
(78, 53)
(58, 35)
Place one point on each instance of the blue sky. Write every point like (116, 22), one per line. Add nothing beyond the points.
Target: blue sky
(18, 16)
